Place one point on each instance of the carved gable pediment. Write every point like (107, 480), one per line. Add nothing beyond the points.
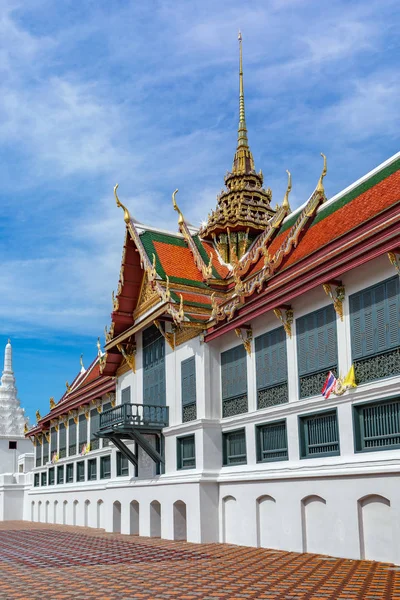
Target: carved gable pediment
(148, 298)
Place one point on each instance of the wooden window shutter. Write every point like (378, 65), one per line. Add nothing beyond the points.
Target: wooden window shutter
(188, 381)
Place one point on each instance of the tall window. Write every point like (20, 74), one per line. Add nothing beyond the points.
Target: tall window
(106, 441)
(62, 438)
(82, 432)
(38, 453)
(43, 478)
(80, 470)
(375, 331)
(271, 368)
(319, 435)
(105, 467)
(188, 386)
(272, 442)
(36, 480)
(377, 425)
(60, 474)
(153, 367)
(70, 473)
(186, 452)
(234, 381)
(45, 451)
(126, 395)
(234, 447)
(53, 441)
(94, 428)
(122, 465)
(316, 349)
(72, 437)
(92, 469)
(51, 476)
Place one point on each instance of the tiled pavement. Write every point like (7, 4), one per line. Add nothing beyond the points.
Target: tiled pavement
(54, 562)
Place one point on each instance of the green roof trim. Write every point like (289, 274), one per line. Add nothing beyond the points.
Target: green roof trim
(204, 255)
(351, 195)
(148, 238)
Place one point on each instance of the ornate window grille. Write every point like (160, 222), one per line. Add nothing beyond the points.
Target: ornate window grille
(271, 368)
(234, 447)
(272, 442)
(186, 452)
(188, 387)
(234, 381)
(375, 331)
(316, 349)
(377, 426)
(319, 435)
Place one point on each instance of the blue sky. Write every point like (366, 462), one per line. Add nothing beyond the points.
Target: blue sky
(145, 94)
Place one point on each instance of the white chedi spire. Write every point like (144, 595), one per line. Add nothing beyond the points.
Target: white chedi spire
(12, 416)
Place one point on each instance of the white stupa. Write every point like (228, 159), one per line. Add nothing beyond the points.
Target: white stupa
(12, 416)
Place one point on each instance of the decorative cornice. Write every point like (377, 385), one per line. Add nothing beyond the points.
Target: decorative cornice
(336, 300)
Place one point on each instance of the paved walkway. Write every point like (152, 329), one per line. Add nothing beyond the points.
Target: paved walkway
(54, 562)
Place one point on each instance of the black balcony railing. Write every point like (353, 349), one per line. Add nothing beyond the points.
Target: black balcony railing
(135, 415)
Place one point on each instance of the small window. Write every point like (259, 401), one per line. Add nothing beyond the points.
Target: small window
(92, 469)
(377, 426)
(36, 480)
(105, 467)
(126, 395)
(234, 447)
(319, 435)
(70, 473)
(272, 442)
(60, 475)
(51, 476)
(186, 452)
(122, 465)
(12, 445)
(80, 471)
(43, 479)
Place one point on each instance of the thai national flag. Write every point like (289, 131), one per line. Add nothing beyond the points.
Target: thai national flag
(329, 385)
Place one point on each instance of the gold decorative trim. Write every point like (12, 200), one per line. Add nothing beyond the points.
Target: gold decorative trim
(338, 299)
(245, 340)
(168, 336)
(129, 354)
(394, 258)
(54, 423)
(38, 416)
(47, 436)
(286, 321)
(52, 403)
(123, 368)
(320, 185)
(205, 270)
(112, 398)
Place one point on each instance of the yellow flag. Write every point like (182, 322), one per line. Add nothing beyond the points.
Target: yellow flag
(350, 379)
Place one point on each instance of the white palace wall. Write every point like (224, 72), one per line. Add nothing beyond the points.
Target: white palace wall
(346, 505)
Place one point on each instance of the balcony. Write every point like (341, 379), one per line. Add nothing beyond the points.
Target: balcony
(146, 417)
(140, 423)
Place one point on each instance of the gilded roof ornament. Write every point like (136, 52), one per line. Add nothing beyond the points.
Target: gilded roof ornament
(181, 220)
(38, 417)
(320, 187)
(285, 203)
(52, 403)
(127, 216)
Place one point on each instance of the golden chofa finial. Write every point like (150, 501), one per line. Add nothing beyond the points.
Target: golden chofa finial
(176, 207)
(320, 186)
(285, 203)
(127, 216)
(52, 403)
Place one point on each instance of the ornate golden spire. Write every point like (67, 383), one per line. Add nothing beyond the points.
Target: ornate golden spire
(243, 161)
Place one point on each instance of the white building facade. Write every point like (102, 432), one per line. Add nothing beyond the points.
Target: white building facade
(207, 403)
(263, 459)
